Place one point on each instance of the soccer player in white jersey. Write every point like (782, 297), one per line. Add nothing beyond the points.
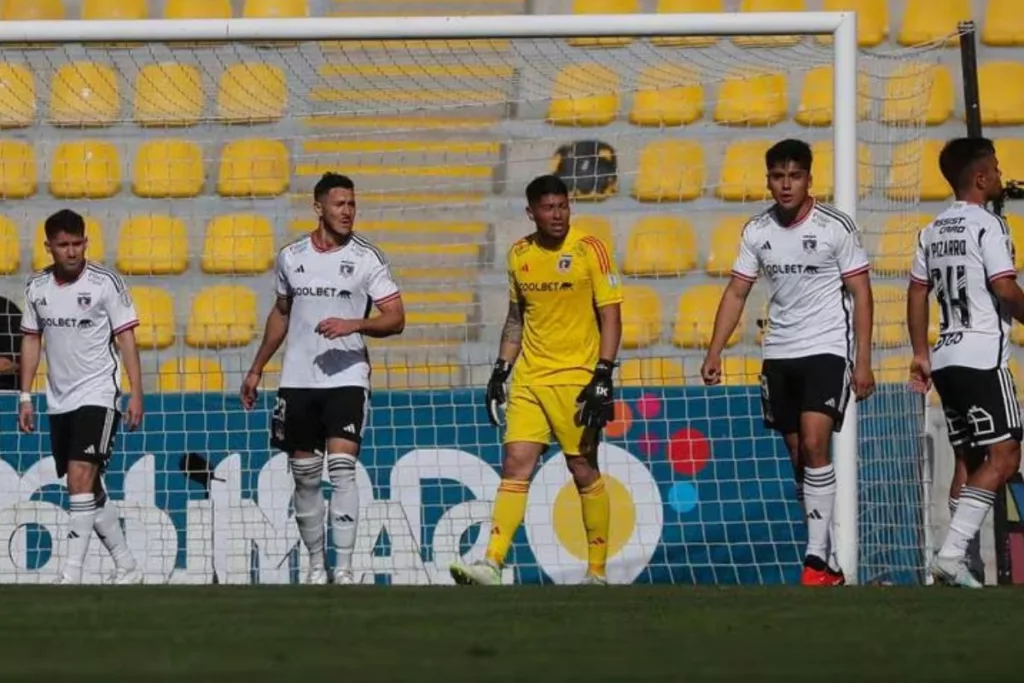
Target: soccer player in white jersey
(818, 337)
(966, 257)
(327, 284)
(84, 313)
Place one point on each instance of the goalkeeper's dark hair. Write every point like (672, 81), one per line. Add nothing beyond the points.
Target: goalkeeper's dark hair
(330, 181)
(543, 185)
(789, 150)
(959, 156)
(66, 221)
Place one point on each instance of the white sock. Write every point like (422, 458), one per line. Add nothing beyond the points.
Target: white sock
(819, 497)
(973, 505)
(833, 559)
(309, 505)
(83, 512)
(341, 468)
(974, 545)
(107, 525)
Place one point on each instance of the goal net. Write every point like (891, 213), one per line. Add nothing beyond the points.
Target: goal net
(194, 163)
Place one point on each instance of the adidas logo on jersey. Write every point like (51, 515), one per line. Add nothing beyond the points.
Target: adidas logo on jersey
(767, 246)
(300, 269)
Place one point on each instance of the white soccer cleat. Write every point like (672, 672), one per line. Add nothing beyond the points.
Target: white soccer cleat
(594, 580)
(344, 577)
(953, 572)
(63, 580)
(130, 576)
(317, 576)
(479, 573)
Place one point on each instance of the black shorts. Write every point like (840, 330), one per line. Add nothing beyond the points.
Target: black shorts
(980, 405)
(812, 384)
(86, 433)
(303, 419)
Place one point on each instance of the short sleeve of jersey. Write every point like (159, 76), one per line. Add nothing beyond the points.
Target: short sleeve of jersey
(282, 287)
(746, 265)
(850, 255)
(29, 319)
(604, 273)
(919, 266)
(380, 285)
(119, 306)
(997, 251)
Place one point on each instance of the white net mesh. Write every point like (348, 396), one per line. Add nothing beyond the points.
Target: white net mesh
(195, 164)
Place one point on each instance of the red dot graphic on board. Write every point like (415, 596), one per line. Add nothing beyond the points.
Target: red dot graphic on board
(688, 451)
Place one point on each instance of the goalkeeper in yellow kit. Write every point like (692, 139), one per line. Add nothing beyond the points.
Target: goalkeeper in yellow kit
(564, 326)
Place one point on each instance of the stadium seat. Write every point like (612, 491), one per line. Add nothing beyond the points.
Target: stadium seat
(687, 7)
(641, 317)
(603, 7)
(96, 250)
(114, 9)
(168, 94)
(695, 317)
(741, 371)
(155, 307)
(660, 246)
(238, 243)
(256, 167)
(39, 381)
(1004, 24)
(32, 10)
(85, 169)
(597, 226)
(584, 95)
(815, 108)
(10, 248)
(222, 316)
(84, 94)
(667, 95)
(724, 244)
(824, 186)
(1001, 106)
(926, 21)
(252, 92)
(670, 171)
(152, 245)
(917, 91)
(275, 9)
(872, 19)
(890, 315)
(17, 96)
(894, 369)
(1016, 223)
(651, 372)
(17, 169)
(770, 6)
(896, 245)
(403, 375)
(190, 375)
(1010, 152)
(197, 9)
(754, 99)
(271, 379)
(933, 320)
(742, 176)
(168, 169)
(914, 172)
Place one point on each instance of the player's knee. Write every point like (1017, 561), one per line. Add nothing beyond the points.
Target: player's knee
(520, 459)
(82, 476)
(814, 449)
(307, 472)
(584, 473)
(1005, 457)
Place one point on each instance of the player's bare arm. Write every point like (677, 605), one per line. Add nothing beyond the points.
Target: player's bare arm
(31, 350)
(391, 321)
(609, 318)
(917, 327)
(859, 286)
(130, 358)
(274, 333)
(727, 317)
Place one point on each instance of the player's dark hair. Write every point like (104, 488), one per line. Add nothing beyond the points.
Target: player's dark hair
(545, 184)
(328, 182)
(66, 221)
(789, 150)
(958, 157)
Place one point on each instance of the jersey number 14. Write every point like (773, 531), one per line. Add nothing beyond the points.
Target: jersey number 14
(951, 293)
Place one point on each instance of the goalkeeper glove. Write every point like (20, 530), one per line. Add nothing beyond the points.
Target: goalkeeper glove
(594, 407)
(496, 389)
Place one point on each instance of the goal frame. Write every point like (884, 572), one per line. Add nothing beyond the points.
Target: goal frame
(842, 26)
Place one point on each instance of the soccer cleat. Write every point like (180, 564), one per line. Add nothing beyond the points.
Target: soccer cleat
(130, 576)
(954, 572)
(594, 580)
(816, 573)
(480, 573)
(317, 576)
(344, 577)
(63, 580)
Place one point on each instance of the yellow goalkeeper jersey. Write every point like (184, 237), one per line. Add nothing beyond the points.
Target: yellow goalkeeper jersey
(560, 291)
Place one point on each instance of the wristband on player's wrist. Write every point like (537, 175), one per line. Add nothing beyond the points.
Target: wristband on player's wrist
(502, 367)
(24, 397)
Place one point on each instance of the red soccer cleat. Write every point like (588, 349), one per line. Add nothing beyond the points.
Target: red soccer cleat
(817, 573)
(834, 578)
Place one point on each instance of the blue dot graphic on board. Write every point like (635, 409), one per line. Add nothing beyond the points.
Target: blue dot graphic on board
(682, 497)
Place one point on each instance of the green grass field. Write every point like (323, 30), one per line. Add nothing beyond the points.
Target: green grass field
(533, 634)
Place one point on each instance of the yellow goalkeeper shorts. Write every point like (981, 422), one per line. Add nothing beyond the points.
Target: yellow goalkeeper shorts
(535, 413)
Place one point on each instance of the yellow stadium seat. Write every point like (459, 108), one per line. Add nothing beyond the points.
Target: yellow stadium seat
(197, 9)
(252, 92)
(695, 317)
(17, 96)
(1001, 106)
(660, 245)
(402, 375)
(32, 10)
(603, 7)
(114, 9)
(222, 316)
(893, 370)
(84, 94)
(872, 19)
(168, 169)
(897, 243)
(823, 185)
(740, 371)
(724, 244)
(584, 95)
(688, 7)
(914, 172)
(96, 250)
(256, 167)
(275, 9)
(1016, 223)
(1010, 152)
(10, 249)
(815, 108)
(918, 93)
(155, 307)
(597, 226)
(743, 176)
(238, 243)
(933, 320)
(651, 372)
(85, 169)
(39, 381)
(755, 99)
(670, 171)
(926, 21)
(890, 315)
(190, 375)
(641, 317)
(667, 95)
(168, 94)
(152, 245)
(769, 6)
(1004, 23)
(17, 169)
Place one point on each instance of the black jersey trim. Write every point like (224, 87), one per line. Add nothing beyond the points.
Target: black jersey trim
(363, 242)
(839, 216)
(114, 277)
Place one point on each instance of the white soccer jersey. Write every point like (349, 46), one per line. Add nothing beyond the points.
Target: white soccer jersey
(958, 254)
(78, 321)
(809, 309)
(345, 282)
